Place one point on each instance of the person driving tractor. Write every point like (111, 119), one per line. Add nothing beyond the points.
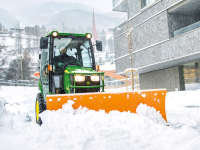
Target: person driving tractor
(64, 59)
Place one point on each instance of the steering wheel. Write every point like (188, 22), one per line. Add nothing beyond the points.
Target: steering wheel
(71, 63)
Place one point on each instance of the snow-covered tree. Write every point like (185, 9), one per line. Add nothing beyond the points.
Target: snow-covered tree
(14, 70)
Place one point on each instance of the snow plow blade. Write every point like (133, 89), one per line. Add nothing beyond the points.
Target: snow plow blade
(108, 101)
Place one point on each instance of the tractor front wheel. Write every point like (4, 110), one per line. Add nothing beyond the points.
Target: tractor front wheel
(39, 107)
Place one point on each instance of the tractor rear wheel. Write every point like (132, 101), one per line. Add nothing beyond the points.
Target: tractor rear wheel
(39, 107)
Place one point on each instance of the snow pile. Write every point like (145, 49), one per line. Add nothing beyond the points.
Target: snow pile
(150, 113)
(107, 67)
(5, 118)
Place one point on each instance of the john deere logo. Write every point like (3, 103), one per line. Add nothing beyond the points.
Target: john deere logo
(88, 83)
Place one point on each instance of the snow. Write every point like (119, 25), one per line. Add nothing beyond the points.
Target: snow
(107, 67)
(86, 129)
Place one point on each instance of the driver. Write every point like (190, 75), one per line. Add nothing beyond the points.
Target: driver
(63, 58)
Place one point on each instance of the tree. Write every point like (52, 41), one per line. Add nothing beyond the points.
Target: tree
(13, 72)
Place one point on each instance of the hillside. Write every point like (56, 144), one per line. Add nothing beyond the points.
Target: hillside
(53, 14)
(6, 19)
(74, 15)
(80, 18)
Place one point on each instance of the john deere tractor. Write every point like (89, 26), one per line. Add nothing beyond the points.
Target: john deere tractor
(68, 72)
(67, 66)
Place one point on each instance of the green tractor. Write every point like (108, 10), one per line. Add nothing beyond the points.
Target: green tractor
(67, 66)
(68, 72)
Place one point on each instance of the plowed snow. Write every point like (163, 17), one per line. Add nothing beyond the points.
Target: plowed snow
(89, 130)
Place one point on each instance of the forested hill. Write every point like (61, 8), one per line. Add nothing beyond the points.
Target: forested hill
(80, 18)
(6, 19)
(52, 15)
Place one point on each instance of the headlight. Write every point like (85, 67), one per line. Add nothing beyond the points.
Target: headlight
(79, 78)
(94, 78)
(89, 36)
(55, 34)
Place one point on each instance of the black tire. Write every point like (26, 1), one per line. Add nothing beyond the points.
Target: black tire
(39, 108)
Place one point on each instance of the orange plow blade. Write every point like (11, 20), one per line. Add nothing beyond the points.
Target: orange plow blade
(108, 101)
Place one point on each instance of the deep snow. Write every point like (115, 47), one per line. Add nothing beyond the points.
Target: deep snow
(86, 129)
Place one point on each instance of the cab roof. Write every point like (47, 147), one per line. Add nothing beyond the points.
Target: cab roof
(67, 34)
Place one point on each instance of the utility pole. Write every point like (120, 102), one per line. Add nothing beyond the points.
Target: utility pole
(20, 46)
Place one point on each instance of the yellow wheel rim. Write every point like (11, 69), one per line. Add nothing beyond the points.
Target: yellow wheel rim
(37, 111)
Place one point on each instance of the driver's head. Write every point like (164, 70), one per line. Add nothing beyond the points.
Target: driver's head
(63, 50)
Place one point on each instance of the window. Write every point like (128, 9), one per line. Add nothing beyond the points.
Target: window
(191, 74)
(147, 2)
(68, 51)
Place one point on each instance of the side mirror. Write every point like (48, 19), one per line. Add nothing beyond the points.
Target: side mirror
(43, 42)
(99, 45)
(39, 56)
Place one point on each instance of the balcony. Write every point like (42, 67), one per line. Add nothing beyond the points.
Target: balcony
(184, 17)
(120, 5)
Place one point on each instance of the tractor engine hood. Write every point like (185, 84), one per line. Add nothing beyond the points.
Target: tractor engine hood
(78, 79)
(79, 70)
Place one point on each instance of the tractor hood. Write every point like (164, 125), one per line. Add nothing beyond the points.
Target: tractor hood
(71, 85)
(78, 69)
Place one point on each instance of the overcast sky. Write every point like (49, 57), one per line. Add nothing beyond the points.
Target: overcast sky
(104, 5)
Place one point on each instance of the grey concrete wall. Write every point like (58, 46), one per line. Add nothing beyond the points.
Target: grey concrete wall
(166, 78)
(134, 7)
(174, 48)
(148, 33)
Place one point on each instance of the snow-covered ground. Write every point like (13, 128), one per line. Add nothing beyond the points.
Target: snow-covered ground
(89, 130)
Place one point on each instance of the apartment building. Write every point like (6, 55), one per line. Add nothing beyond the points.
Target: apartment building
(161, 39)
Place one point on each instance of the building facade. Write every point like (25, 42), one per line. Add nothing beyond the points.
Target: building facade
(161, 39)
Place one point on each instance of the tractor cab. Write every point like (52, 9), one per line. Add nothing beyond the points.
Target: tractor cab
(67, 64)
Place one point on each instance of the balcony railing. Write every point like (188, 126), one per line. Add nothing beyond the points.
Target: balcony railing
(187, 29)
(115, 2)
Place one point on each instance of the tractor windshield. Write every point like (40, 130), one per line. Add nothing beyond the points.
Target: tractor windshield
(71, 52)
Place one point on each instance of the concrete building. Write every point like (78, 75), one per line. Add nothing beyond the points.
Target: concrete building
(161, 38)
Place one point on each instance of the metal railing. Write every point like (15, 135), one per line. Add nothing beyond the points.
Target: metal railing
(120, 84)
(187, 29)
(28, 83)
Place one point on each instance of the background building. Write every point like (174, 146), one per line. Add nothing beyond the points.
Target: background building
(161, 38)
